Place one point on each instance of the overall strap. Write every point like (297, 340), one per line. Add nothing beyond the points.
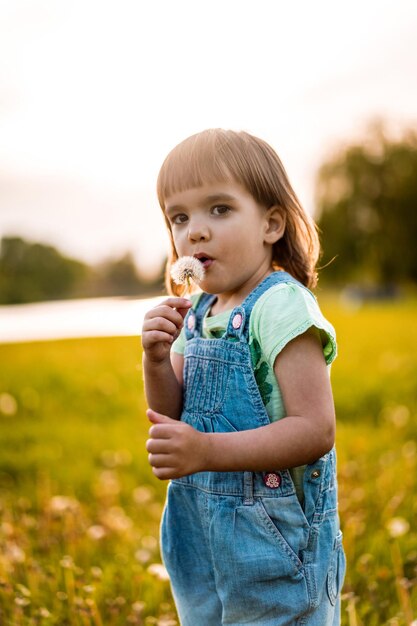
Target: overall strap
(193, 321)
(238, 326)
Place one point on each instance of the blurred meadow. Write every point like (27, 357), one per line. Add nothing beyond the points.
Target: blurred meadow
(80, 508)
(84, 130)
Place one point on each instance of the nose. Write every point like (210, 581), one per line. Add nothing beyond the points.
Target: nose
(198, 230)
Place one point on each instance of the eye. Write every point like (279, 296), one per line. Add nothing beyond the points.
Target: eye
(180, 218)
(220, 209)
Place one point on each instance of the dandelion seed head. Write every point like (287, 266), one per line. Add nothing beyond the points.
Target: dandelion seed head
(187, 268)
(108, 483)
(67, 562)
(14, 553)
(143, 556)
(138, 607)
(8, 404)
(59, 505)
(62, 596)
(96, 532)
(29, 522)
(115, 519)
(159, 571)
(398, 526)
(149, 542)
(142, 495)
(96, 572)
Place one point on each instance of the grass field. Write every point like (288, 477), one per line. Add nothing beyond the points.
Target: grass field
(80, 508)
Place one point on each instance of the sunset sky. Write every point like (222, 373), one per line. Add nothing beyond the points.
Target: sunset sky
(93, 94)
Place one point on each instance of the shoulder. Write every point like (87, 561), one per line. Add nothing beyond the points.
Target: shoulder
(285, 311)
(284, 300)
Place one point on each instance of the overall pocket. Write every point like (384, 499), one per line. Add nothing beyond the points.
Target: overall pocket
(283, 518)
(336, 573)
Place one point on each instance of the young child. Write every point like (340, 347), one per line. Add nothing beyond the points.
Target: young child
(237, 381)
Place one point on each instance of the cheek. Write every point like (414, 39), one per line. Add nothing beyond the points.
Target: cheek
(178, 239)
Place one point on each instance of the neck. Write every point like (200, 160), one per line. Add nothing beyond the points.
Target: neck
(228, 301)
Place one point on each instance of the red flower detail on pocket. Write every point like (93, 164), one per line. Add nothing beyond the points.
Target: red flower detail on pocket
(272, 480)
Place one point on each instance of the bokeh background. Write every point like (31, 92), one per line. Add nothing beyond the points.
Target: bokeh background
(92, 97)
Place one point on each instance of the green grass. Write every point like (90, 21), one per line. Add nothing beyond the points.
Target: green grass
(80, 508)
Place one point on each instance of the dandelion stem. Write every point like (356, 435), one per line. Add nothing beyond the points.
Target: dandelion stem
(402, 591)
(351, 611)
(96, 615)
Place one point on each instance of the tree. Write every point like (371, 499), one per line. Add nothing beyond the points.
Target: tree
(117, 277)
(30, 272)
(366, 200)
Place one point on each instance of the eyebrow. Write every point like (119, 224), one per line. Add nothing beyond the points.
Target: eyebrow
(217, 197)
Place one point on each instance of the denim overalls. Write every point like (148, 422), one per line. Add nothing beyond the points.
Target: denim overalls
(238, 546)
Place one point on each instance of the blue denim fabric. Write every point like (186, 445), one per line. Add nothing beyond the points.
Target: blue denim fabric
(239, 551)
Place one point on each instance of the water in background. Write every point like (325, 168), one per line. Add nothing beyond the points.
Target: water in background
(96, 317)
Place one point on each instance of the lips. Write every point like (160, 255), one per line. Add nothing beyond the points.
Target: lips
(204, 258)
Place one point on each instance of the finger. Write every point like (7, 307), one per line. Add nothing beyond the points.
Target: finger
(161, 323)
(159, 418)
(158, 446)
(165, 473)
(183, 311)
(160, 431)
(151, 337)
(158, 460)
(177, 302)
(173, 313)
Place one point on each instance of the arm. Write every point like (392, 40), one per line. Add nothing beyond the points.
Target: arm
(163, 372)
(308, 431)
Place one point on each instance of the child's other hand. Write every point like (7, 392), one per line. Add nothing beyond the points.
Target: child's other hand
(161, 326)
(175, 449)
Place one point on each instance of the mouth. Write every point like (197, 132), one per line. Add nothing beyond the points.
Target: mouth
(204, 259)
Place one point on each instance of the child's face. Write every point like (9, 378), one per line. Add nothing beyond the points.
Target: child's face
(223, 226)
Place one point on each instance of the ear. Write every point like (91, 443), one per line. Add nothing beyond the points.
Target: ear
(275, 224)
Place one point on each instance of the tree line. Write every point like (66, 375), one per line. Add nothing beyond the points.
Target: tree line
(32, 272)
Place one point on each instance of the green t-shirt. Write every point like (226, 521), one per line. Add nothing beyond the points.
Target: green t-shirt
(282, 313)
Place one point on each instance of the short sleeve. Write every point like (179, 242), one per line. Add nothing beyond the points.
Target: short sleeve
(284, 312)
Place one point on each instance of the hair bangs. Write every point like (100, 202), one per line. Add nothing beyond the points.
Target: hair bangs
(195, 162)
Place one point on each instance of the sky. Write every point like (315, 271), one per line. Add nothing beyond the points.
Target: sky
(94, 94)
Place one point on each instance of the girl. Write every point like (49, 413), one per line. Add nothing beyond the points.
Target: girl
(241, 402)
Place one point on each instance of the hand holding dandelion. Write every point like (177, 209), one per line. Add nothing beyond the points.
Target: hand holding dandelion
(185, 270)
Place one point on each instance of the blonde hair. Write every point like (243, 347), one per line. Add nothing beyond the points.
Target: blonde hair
(218, 155)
